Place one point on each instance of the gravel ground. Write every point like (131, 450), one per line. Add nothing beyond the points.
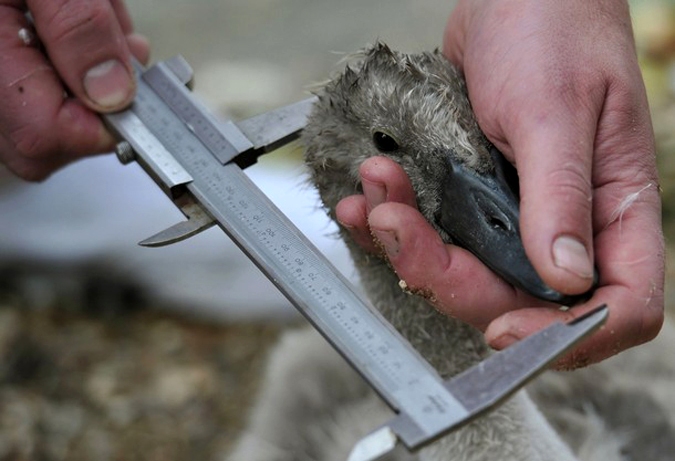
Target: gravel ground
(137, 384)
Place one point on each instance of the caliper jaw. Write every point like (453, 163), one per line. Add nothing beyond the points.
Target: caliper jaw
(242, 142)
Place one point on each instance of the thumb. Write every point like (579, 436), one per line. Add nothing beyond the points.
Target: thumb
(553, 154)
(86, 44)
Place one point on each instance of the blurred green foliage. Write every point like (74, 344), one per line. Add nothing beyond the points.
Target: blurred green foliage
(654, 26)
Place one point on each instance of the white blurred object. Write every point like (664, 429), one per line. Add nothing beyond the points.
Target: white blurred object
(97, 209)
(241, 89)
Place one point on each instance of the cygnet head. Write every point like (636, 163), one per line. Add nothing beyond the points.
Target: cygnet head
(415, 110)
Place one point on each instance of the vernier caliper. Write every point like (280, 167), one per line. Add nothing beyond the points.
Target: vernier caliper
(198, 161)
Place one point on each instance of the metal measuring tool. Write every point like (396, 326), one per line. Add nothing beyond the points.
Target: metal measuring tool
(198, 162)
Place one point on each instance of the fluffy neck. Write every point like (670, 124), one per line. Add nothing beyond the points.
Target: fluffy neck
(449, 345)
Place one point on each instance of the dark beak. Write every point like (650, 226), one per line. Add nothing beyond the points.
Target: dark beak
(481, 214)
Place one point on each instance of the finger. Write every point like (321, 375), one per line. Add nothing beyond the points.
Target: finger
(553, 148)
(417, 252)
(630, 251)
(382, 180)
(138, 44)
(139, 47)
(451, 278)
(87, 46)
(123, 16)
(624, 328)
(352, 214)
(516, 325)
(39, 128)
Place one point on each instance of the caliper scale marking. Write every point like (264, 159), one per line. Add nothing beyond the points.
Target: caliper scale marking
(297, 268)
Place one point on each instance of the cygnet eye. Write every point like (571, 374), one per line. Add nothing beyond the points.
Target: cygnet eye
(384, 142)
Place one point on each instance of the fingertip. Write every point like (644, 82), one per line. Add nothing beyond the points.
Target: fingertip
(570, 255)
(87, 126)
(351, 215)
(139, 45)
(351, 211)
(375, 193)
(85, 133)
(390, 176)
(513, 326)
(109, 86)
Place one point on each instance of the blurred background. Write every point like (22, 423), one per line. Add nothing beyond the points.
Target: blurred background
(110, 351)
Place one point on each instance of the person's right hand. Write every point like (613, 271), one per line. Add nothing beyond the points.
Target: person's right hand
(55, 75)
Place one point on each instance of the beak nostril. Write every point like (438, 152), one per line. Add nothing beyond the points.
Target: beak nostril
(497, 223)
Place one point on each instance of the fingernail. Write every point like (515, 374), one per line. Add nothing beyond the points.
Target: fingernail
(346, 225)
(108, 84)
(504, 331)
(571, 255)
(503, 341)
(388, 240)
(375, 193)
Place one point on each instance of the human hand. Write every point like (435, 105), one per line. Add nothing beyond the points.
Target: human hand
(51, 91)
(557, 88)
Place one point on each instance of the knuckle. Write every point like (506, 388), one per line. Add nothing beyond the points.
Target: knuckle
(571, 183)
(652, 322)
(80, 19)
(28, 144)
(30, 172)
(22, 167)
(576, 86)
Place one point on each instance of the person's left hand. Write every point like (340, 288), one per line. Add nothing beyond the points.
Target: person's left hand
(556, 87)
